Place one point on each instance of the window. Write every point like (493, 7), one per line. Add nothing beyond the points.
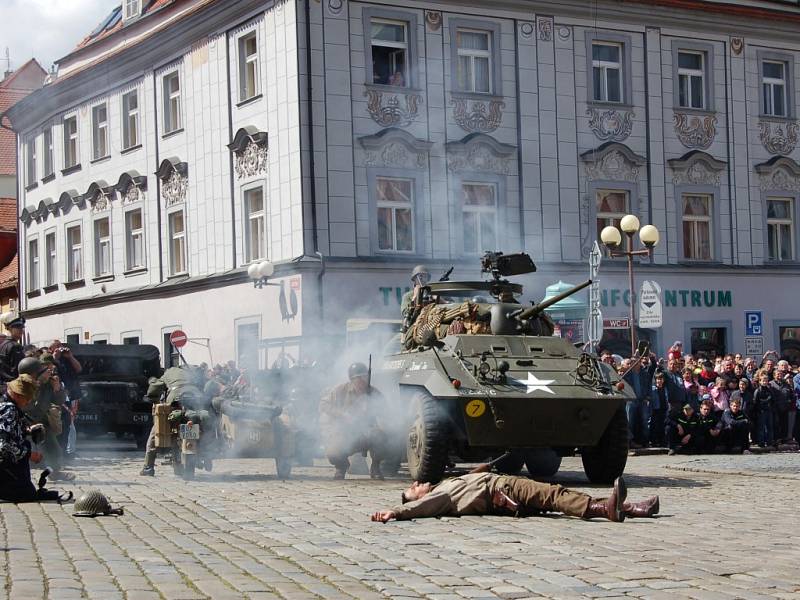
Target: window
(780, 228)
(697, 236)
(248, 67)
(50, 271)
(248, 341)
(130, 341)
(255, 226)
(70, 142)
(395, 214)
(691, 79)
(130, 120)
(132, 9)
(172, 102)
(389, 40)
(100, 131)
(102, 247)
(30, 161)
(480, 217)
(73, 339)
(773, 82)
(474, 69)
(611, 206)
(33, 265)
(607, 71)
(134, 240)
(177, 243)
(49, 164)
(74, 254)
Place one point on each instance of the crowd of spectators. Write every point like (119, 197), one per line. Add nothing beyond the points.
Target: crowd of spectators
(696, 405)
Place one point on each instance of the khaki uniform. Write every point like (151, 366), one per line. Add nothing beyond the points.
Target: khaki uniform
(471, 494)
(46, 409)
(348, 424)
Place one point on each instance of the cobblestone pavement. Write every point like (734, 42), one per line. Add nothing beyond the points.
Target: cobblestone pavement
(728, 529)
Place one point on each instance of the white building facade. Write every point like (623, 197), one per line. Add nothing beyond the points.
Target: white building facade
(180, 146)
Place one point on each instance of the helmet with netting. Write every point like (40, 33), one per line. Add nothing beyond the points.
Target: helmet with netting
(93, 503)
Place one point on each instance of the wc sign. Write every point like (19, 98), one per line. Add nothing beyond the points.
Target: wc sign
(753, 323)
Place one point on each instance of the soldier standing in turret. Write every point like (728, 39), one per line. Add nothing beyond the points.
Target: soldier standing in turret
(348, 422)
(412, 300)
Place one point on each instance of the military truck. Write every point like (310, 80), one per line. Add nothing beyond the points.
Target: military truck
(482, 376)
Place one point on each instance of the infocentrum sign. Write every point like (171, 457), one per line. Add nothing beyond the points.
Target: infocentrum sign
(674, 298)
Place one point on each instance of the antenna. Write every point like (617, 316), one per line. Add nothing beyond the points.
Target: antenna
(8, 62)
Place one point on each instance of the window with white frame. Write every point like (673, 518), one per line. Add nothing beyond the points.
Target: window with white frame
(479, 217)
(100, 131)
(773, 83)
(607, 71)
(691, 79)
(74, 253)
(130, 119)
(47, 150)
(474, 69)
(102, 247)
(697, 223)
(177, 243)
(134, 240)
(780, 229)
(389, 41)
(610, 207)
(30, 160)
(133, 9)
(248, 66)
(33, 265)
(255, 225)
(70, 142)
(395, 210)
(51, 266)
(172, 102)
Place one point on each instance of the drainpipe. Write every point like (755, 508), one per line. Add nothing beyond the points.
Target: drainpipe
(230, 152)
(158, 183)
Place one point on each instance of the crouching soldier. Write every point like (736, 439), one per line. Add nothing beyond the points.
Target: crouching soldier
(735, 428)
(490, 494)
(349, 424)
(15, 447)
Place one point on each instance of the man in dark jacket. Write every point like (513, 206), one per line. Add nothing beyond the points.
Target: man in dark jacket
(763, 402)
(640, 378)
(11, 351)
(709, 428)
(735, 427)
(682, 434)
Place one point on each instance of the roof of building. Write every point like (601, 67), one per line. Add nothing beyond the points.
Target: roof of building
(14, 88)
(113, 22)
(9, 274)
(8, 214)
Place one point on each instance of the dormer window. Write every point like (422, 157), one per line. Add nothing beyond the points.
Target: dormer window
(133, 9)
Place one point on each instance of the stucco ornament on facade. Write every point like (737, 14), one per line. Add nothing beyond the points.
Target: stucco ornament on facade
(696, 168)
(737, 45)
(564, 32)
(100, 202)
(778, 137)
(695, 131)
(545, 29)
(480, 117)
(780, 180)
(251, 161)
(610, 125)
(478, 152)
(526, 29)
(434, 20)
(131, 194)
(395, 154)
(613, 166)
(174, 189)
(335, 6)
(392, 114)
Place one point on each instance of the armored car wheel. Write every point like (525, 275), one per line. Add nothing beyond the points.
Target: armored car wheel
(605, 462)
(542, 462)
(426, 446)
(511, 464)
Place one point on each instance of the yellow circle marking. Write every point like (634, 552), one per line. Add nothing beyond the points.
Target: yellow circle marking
(475, 408)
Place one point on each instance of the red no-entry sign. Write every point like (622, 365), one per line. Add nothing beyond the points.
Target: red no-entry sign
(178, 338)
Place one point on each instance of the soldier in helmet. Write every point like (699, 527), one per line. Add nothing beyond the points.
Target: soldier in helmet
(412, 300)
(348, 422)
(11, 351)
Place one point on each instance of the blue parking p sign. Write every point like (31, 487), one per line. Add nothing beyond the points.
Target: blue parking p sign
(753, 323)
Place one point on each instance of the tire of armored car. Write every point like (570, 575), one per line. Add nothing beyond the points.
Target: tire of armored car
(605, 462)
(543, 462)
(427, 442)
(511, 464)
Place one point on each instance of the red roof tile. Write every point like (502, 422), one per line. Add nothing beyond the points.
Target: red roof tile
(8, 214)
(14, 88)
(113, 22)
(9, 274)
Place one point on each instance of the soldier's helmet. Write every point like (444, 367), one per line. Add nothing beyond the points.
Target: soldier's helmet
(30, 366)
(420, 271)
(93, 503)
(357, 369)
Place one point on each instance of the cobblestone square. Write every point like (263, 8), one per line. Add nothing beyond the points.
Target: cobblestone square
(727, 529)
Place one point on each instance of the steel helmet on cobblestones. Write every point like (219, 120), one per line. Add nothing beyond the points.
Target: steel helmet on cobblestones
(93, 503)
(357, 369)
(30, 366)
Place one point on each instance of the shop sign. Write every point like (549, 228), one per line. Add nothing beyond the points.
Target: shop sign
(616, 324)
(754, 346)
(650, 313)
(675, 298)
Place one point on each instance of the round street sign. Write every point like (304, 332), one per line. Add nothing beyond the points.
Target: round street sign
(178, 338)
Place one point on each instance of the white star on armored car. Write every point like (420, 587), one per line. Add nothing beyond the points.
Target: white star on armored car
(535, 384)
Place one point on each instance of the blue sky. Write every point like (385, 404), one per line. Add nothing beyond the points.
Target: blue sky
(46, 29)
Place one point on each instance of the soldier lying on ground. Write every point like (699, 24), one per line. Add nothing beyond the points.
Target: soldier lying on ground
(479, 493)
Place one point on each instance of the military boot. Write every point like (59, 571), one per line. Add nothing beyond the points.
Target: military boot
(645, 508)
(611, 508)
(149, 469)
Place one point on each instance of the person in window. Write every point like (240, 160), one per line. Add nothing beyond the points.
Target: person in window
(397, 79)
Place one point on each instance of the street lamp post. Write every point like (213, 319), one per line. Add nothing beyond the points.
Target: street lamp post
(612, 238)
